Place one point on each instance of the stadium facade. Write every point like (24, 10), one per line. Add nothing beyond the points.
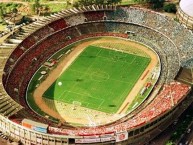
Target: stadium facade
(24, 52)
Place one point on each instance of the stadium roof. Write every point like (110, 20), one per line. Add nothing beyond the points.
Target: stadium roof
(187, 6)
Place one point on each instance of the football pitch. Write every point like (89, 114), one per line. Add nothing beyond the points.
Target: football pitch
(99, 79)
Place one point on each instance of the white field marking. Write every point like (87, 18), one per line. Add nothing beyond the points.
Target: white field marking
(82, 102)
(61, 96)
(101, 104)
(99, 76)
(114, 55)
(110, 59)
(92, 73)
(87, 103)
(133, 60)
(66, 97)
(123, 50)
(101, 100)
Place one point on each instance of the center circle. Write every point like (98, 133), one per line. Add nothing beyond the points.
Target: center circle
(99, 76)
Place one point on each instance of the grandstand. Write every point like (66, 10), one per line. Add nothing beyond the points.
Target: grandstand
(27, 50)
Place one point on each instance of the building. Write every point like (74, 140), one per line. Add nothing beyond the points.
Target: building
(185, 13)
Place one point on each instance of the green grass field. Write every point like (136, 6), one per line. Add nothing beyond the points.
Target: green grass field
(99, 78)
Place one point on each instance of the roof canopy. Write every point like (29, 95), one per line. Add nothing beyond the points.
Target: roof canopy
(187, 6)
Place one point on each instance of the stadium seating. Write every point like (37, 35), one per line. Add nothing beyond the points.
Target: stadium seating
(94, 16)
(58, 25)
(42, 32)
(43, 47)
(75, 20)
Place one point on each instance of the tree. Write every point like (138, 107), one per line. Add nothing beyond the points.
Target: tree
(14, 14)
(68, 3)
(113, 1)
(155, 4)
(14, 10)
(36, 7)
(97, 2)
(45, 9)
(169, 143)
(141, 1)
(76, 4)
(1, 14)
(170, 8)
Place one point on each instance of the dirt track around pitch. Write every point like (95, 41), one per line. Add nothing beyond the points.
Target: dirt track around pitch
(63, 65)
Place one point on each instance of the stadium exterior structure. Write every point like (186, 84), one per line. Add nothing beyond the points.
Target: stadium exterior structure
(25, 51)
(185, 73)
(185, 13)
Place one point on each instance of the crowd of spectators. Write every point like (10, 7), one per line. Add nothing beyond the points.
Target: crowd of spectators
(42, 33)
(75, 20)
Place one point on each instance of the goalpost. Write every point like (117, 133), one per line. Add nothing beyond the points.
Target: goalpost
(76, 104)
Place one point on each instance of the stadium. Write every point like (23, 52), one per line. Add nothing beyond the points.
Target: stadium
(95, 75)
(185, 14)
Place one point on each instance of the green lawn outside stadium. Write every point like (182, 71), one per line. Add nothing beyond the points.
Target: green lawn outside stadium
(99, 79)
